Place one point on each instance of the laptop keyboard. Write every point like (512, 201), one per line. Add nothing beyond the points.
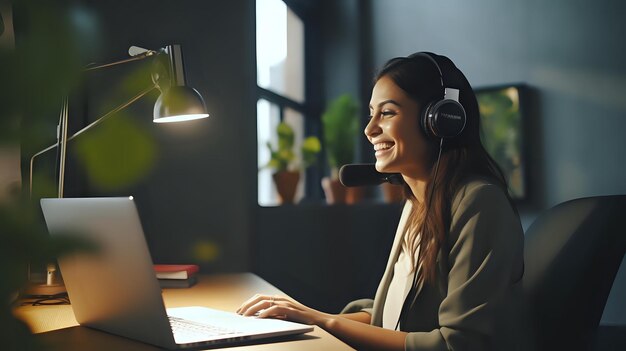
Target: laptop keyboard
(186, 329)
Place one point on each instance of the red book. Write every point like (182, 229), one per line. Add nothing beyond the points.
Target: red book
(175, 271)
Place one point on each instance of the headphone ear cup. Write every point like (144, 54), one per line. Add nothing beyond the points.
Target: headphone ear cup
(445, 119)
(425, 121)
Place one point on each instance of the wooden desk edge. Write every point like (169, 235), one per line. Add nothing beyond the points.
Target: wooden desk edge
(219, 291)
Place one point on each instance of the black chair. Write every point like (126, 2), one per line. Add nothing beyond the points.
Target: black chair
(572, 254)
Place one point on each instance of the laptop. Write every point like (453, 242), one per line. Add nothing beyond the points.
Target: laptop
(116, 290)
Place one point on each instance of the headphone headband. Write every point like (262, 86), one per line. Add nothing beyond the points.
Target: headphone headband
(430, 57)
(444, 118)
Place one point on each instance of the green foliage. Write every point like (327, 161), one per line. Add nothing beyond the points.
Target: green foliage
(24, 241)
(35, 77)
(341, 125)
(44, 68)
(283, 157)
(34, 80)
(116, 154)
(311, 146)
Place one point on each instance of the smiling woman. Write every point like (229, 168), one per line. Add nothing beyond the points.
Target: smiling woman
(453, 279)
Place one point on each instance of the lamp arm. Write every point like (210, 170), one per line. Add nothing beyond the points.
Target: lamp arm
(91, 125)
(134, 58)
(113, 111)
(32, 160)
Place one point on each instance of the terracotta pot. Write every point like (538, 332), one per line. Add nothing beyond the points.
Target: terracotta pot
(393, 193)
(354, 195)
(339, 194)
(286, 183)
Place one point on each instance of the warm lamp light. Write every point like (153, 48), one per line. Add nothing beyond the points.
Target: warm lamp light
(178, 104)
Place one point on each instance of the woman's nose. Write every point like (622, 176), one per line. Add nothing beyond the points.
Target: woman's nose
(372, 128)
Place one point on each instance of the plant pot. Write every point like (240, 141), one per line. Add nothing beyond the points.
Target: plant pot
(286, 183)
(393, 193)
(336, 193)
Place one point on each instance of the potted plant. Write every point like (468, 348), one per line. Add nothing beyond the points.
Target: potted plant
(283, 161)
(340, 123)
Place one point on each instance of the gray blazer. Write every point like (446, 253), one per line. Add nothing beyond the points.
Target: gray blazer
(476, 303)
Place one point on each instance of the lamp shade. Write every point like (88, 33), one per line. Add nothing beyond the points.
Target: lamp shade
(179, 103)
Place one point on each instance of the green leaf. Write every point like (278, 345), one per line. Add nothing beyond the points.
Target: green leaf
(311, 146)
(273, 163)
(286, 155)
(340, 124)
(117, 154)
(285, 136)
(283, 158)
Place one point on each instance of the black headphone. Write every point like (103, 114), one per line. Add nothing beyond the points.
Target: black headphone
(443, 118)
(440, 119)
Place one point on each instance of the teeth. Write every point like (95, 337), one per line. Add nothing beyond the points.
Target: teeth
(382, 146)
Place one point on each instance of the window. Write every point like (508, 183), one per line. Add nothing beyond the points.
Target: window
(280, 81)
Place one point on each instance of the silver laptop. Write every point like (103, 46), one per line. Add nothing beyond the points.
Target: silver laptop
(116, 290)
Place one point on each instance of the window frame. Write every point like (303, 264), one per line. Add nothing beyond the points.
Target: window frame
(312, 98)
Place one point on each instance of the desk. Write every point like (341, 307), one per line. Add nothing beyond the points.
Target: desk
(57, 327)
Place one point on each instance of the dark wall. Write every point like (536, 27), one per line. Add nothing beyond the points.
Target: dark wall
(340, 27)
(196, 203)
(571, 54)
(325, 256)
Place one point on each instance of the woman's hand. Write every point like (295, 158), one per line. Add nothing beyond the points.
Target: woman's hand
(354, 331)
(281, 307)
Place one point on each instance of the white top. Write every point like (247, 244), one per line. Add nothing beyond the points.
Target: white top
(398, 288)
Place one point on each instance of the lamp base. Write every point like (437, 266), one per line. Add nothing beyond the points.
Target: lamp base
(39, 290)
(38, 286)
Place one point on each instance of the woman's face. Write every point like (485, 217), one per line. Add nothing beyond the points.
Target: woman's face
(394, 131)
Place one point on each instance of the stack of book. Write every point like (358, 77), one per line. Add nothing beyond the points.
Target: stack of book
(176, 275)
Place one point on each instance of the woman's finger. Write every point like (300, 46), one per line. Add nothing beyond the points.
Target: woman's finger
(276, 311)
(251, 302)
(259, 306)
(257, 303)
(287, 312)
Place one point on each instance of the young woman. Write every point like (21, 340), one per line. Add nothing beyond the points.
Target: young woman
(453, 279)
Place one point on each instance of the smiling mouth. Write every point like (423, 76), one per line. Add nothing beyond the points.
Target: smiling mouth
(381, 148)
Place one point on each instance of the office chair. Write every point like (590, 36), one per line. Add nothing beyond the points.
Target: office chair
(572, 254)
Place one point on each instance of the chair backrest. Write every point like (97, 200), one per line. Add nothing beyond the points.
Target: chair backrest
(572, 254)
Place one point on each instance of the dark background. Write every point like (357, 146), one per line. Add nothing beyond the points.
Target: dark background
(203, 187)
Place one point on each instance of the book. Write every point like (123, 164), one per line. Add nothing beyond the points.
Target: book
(175, 271)
(178, 283)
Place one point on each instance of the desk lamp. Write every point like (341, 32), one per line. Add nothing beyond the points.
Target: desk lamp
(177, 103)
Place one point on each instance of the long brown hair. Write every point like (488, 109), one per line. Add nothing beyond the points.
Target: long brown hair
(461, 157)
